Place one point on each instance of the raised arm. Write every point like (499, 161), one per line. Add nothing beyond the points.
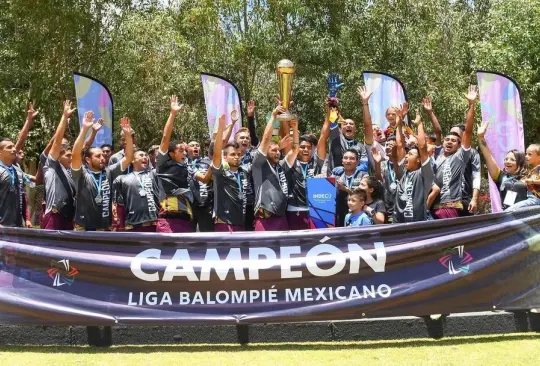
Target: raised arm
(60, 130)
(128, 149)
(218, 144)
(400, 143)
(469, 124)
(31, 115)
(76, 160)
(493, 169)
(293, 153)
(368, 125)
(267, 135)
(322, 144)
(93, 132)
(229, 128)
(435, 190)
(421, 139)
(377, 159)
(168, 129)
(428, 108)
(251, 123)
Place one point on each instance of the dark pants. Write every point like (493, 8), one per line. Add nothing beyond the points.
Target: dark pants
(55, 221)
(202, 216)
(250, 218)
(274, 223)
(226, 228)
(298, 220)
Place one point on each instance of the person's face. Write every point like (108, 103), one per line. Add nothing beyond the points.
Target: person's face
(243, 140)
(107, 152)
(378, 135)
(96, 161)
(365, 187)
(389, 147)
(194, 149)
(233, 156)
(273, 155)
(65, 159)
(140, 161)
(180, 153)
(7, 152)
(391, 115)
(348, 129)
(412, 160)
(532, 157)
(510, 163)
(451, 144)
(306, 150)
(355, 203)
(20, 156)
(349, 161)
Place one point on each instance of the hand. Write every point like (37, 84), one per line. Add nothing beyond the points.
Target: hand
(285, 142)
(417, 119)
(334, 84)
(472, 94)
(31, 113)
(28, 224)
(251, 108)
(482, 129)
(403, 110)
(97, 126)
(234, 115)
(88, 120)
(175, 107)
(221, 122)
(67, 109)
(338, 170)
(278, 110)
(280, 103)
(126, 127)
(473, 206)
(399, 121)
(343, 187)
(426, 103)
(377, 157)
(364, 94)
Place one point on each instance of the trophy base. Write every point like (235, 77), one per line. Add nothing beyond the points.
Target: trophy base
(285, 117)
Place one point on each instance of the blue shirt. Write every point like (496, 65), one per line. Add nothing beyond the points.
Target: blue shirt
(361, 219)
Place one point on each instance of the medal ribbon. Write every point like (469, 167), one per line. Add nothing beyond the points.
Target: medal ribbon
(10, 170)
(98, 184)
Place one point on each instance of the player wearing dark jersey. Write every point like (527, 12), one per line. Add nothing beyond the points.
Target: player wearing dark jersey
(269, 177)
(94, 180)
(12, 198)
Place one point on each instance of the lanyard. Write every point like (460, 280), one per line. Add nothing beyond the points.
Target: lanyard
(139, 178)
(98, 185)
(350, 143)
(11, 172)
(348, 180)
(238, 180)
(391, 170)
(304, 171)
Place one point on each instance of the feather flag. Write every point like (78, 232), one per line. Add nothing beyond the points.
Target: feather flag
(387, 91)
(93, 95)
(500, 102)
(221, 97)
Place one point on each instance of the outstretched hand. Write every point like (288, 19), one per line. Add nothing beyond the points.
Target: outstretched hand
(67, 109)
(364, 94)
(97, 126)
(278, 110)
(234, 115)
(472, 93)
(31, 113)
(428, 106)
(417, 119)
(482, 129)
(377, 157)
(88, 119)
(334, 84)
(125, 124)
(175, 107)
(403, 110)
(285, 142)
(251, 108)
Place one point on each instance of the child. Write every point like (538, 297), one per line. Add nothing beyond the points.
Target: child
(356, 202)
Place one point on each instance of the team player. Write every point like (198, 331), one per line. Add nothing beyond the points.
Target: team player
(451, 163)
(203, 193)
(269, 177)
(413, 196)
(59, 186)
(94, 180)
(174, 176)
(139, 194)
(387, 172)
(122, 153)
(12, 197)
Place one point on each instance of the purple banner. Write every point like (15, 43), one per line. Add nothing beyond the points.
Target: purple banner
(501, 105)
(221, 97)
(460, 265)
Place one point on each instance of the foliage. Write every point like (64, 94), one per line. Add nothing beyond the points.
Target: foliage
(148, 49)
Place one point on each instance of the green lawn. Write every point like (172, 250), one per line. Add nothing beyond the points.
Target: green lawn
(512, 349)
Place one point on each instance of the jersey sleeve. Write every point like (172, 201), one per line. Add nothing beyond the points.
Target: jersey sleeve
(115, 170)
(259, 158)
(427, 176)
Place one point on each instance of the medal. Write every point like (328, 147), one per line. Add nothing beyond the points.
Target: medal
(393, 186)
(98, 200)
(142, 192)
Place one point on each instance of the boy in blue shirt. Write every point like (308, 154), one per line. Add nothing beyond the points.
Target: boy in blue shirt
(356, 202)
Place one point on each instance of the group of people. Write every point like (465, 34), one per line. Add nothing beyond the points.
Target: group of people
(397, 175)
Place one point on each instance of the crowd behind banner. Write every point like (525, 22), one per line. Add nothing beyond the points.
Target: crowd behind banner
(398, 175)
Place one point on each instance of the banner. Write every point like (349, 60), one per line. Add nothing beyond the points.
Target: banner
(221, 97)
(501, 105)
(321, 196)
(387, 91)
(93, 95)
(478, 263)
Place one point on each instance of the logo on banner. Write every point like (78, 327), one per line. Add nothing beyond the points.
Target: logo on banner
(62, 273)
(457, 260)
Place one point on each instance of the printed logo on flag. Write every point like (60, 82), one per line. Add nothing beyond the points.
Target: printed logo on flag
(62, 273)
(456, 260)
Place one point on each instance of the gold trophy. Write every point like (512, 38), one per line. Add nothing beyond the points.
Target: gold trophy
(285, 75)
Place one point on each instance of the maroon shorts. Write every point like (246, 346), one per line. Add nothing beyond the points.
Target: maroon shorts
(274, 223)
(54, 221)
(446, 213)
(298, 220)
(172, 225)
(226, 228)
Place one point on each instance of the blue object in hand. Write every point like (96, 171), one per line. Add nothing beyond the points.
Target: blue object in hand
(334, 84)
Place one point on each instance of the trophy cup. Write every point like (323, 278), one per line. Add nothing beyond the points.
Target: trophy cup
(285, 74)
(334, 84)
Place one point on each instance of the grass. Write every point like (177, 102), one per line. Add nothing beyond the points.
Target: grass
(511, 349)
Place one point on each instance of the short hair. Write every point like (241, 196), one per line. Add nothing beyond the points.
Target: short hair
(460, 126)
(106, 145)
(432, 138)
(309, 138)
(153, 149)
(535, 147)
(354, 151)
(87, 153)
(234, 145)
(240, 130)
(360, 193)
(173, 145)
(64, 148)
